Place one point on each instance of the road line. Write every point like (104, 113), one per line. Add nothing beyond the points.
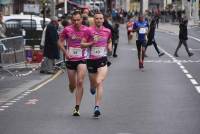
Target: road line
(185, 71)
(17, 99)
(189, 76)
(9, 104)
(20, 97)
(13, 101)
(194, 38)
(47, 81)
(30, 91)
(4, 106)
(194, 82)
(182, 67)
(197, 88)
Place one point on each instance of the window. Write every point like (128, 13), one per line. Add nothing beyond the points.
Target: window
(12, 24)
(28, 24)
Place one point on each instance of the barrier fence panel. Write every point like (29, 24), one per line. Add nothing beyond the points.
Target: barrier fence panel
(12, 50)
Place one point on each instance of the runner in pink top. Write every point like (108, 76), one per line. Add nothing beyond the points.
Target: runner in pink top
(76, 56)
(97, 63)
(101, 37)
(73, 37)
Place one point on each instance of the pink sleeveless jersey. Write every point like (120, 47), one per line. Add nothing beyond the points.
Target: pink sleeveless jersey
(73, 39)
(101, 37)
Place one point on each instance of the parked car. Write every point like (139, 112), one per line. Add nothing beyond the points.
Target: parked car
(32, 25)
(25, 21)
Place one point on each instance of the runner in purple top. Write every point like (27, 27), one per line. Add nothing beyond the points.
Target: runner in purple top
(75, 56)
(97, 63)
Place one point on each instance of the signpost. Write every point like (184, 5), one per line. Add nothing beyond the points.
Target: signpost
(32, 8)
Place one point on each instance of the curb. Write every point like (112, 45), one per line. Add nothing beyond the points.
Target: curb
(33, 86)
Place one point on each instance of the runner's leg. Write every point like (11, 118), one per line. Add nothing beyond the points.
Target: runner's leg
(72, 79)
(81, 71)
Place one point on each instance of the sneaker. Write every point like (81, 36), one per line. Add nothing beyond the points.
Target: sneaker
(92, 91)
(161, 54)
(97, 112)
(176, 55)
(76, 112)
(115, 55)
(71, 88)
(108, 63)
(141, 65)
(42, 71)
(190, 54)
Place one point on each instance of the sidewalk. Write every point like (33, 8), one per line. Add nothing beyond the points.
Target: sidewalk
(174, 28)
(167, 27)
(20, 78)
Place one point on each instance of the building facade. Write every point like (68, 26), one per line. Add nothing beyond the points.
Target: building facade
(6, 7)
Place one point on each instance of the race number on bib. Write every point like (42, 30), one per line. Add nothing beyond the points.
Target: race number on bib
(98, 51)
(130, 28)
(142, 31)
(75, 52)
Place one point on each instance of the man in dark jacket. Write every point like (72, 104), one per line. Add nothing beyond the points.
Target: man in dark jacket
(183, 36)
(151, 37)
(51, 51)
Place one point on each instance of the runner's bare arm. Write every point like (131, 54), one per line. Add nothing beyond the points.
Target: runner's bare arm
(85, 44)
(61, 43)
(110, 45)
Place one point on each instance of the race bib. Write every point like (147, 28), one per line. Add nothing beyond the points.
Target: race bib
(130, 28)
(98, 51)
(75, 52)
(143, 31)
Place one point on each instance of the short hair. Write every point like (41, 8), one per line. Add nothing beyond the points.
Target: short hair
(98, 12)
(54, 18)
(77, 12)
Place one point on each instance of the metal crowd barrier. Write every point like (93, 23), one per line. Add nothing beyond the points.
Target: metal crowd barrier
(12, 50)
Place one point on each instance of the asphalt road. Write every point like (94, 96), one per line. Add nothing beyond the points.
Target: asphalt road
(162, 99)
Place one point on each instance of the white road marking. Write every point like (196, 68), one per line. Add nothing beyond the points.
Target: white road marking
(24, 94)
(13, 101)
(173, 61)
(20, 97)
(182, 67)
(33, 101)
(9, 104)
(198, 89)
(194, 82)
(189, 76)
(185, 71)
(193, 49)
(17, 99)
(4, 106)
(194, 38)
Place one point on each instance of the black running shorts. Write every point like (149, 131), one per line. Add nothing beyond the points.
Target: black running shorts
(72, 65)
(93, 65)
